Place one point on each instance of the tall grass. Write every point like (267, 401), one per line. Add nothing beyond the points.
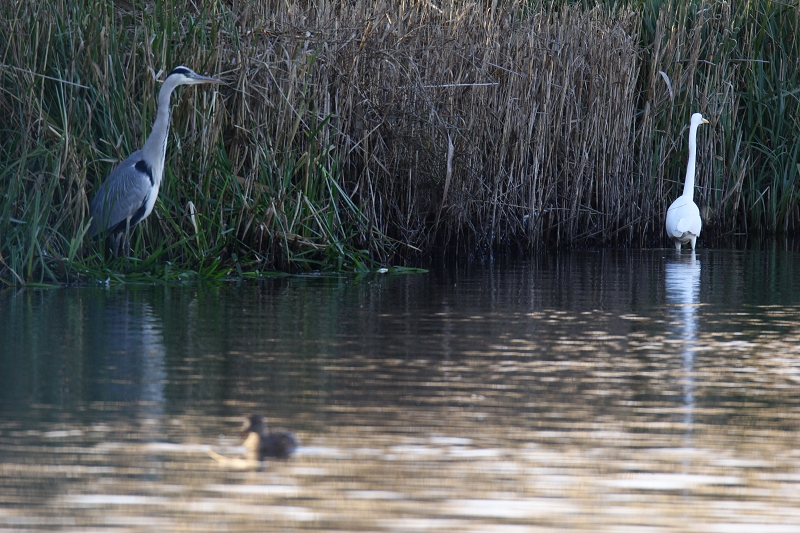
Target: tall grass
(738, 64)
(356, 134)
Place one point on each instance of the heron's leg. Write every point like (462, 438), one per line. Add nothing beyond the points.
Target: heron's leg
(693, 241)
(677, 244)
(114, 243)
(127, 244)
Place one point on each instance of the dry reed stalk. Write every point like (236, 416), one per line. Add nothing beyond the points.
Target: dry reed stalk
(540, 111)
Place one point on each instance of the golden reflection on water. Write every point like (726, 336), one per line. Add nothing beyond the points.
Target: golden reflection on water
(669, 413)
(481, 451)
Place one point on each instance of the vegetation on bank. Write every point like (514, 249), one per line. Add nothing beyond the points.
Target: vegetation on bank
(352, 135)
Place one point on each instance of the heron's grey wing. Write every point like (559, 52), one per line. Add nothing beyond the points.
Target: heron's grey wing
(121, 196)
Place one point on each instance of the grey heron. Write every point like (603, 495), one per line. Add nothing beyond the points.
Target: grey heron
(129, 193)
(683, 216)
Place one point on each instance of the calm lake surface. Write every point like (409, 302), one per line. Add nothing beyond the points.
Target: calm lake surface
(624, 391)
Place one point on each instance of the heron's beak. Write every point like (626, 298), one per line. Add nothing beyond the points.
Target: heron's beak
(205, 79)
(705, 122)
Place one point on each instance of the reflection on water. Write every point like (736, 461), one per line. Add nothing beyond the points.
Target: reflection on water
(597, 391)
(682, 280)
(128, 338)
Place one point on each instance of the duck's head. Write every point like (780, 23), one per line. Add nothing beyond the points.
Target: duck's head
(253, 424)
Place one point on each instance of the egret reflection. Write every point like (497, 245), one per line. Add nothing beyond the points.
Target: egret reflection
(683, 294)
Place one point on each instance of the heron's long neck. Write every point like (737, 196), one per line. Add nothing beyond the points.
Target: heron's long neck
(155, 149)
(688, 187)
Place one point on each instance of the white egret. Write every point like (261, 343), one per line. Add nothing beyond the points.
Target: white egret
(683, 216)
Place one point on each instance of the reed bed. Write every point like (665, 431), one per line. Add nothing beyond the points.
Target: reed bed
(357, 134)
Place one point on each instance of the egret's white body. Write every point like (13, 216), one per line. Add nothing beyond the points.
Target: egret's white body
(129, 193)
(683, 216)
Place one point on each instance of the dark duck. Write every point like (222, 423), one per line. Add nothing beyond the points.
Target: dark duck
(262, 443)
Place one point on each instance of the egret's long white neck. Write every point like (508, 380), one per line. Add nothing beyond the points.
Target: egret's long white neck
(688, 186)
(155, 149)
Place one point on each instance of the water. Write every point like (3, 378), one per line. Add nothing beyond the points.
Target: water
(638, 391)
